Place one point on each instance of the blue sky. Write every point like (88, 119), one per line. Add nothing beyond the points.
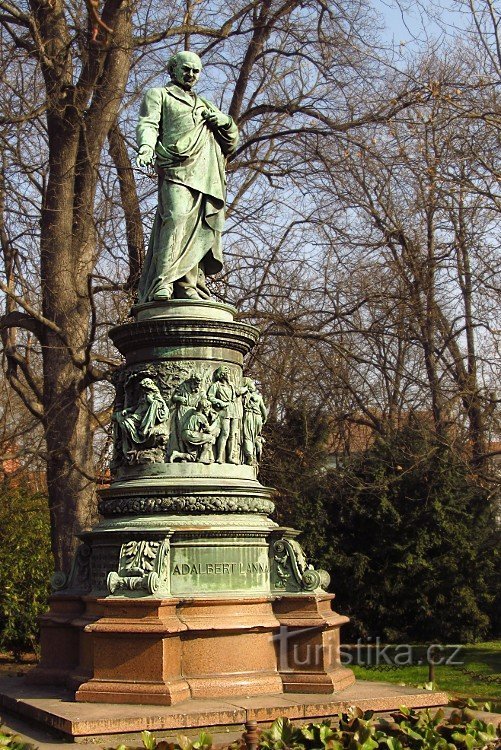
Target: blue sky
(392, 15)
(415, 21)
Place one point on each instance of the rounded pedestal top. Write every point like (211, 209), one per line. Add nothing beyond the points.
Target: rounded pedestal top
(167, 472)
(184, 308)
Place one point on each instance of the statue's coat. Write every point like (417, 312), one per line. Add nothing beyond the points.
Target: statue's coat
(190, 160)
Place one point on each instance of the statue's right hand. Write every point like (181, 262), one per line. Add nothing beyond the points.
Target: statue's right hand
(145, 156)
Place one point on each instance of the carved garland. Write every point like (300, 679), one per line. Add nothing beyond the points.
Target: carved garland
(143, 565)
(184, 504)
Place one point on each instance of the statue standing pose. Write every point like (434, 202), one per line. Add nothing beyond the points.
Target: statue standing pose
(255, 415)
(188, 138)
(224, 397)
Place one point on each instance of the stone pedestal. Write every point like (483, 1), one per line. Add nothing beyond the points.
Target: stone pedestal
(186, 588)
(309, 644)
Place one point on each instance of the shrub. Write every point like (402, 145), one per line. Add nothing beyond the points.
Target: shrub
(25, 567)
(413, 545)
(356, 730)
(13, 741)
(408, 536)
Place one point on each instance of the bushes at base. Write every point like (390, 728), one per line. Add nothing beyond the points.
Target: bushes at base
(415, 548)
(356, 730)
(25, 567)
(409, 538)
(11, 741)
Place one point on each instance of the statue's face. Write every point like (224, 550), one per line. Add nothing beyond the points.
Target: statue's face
(196, 383)
(186, 69)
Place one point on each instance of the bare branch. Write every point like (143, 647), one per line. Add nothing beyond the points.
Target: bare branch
(33, 314)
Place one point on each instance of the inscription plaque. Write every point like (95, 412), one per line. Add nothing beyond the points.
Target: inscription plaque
(233, 568)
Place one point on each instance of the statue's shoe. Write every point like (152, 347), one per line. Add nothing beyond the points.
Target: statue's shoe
(163, 295)
(190, 293)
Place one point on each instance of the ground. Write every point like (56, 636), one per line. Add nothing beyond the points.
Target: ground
(478, 677)
(12, 668)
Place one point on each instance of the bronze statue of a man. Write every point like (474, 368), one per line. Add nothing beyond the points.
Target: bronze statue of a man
(188, 139)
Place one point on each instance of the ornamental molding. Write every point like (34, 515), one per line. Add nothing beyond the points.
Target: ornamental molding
(291, 573)
(181, 504)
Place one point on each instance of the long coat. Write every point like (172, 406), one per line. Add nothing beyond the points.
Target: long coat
(189, 153)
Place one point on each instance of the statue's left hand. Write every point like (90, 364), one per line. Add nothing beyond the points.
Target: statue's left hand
(215, 117)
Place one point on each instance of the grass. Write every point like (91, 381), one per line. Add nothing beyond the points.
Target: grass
(478, 658)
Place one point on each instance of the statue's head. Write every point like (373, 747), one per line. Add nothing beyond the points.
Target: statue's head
(222, 373)
(204, 405)
(250, 384)
(148, 384)
(195, 380)
(185, 68)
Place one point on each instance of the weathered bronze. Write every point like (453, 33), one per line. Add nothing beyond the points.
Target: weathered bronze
(188, 140)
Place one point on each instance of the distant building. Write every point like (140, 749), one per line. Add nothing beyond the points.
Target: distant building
(15, 473)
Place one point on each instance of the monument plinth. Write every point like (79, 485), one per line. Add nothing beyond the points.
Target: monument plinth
(186, 588)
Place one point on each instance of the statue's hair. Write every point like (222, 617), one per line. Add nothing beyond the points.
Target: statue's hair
(145, 382)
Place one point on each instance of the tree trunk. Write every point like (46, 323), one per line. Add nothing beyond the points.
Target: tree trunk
(70, 462)
(78, 125)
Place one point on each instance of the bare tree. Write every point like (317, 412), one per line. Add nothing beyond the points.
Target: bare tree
(406, 310)
(295, 75)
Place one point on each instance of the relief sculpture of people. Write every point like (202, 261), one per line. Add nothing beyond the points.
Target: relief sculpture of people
(142, 429)
(208, 417)
(187, 139)
(254, 417)
(184, 399)
(200, 429)
(225, 398)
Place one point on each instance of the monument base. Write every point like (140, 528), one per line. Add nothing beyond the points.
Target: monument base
(164, 651)
(112, 725)
(191, 607)
(187, 589)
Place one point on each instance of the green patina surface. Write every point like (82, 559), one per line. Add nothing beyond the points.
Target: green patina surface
(205, 354)
(188, 139)
(230, 565)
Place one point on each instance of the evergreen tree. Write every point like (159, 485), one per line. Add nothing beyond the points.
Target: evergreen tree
(409, 538)
(26, 566)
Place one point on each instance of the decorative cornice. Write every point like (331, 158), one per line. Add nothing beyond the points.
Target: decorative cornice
(169, 333)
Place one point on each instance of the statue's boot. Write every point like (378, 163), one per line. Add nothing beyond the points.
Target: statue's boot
(230, 448)
(188, 292)
(164, 293)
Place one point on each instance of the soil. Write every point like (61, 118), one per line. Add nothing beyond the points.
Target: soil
(11, 668)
